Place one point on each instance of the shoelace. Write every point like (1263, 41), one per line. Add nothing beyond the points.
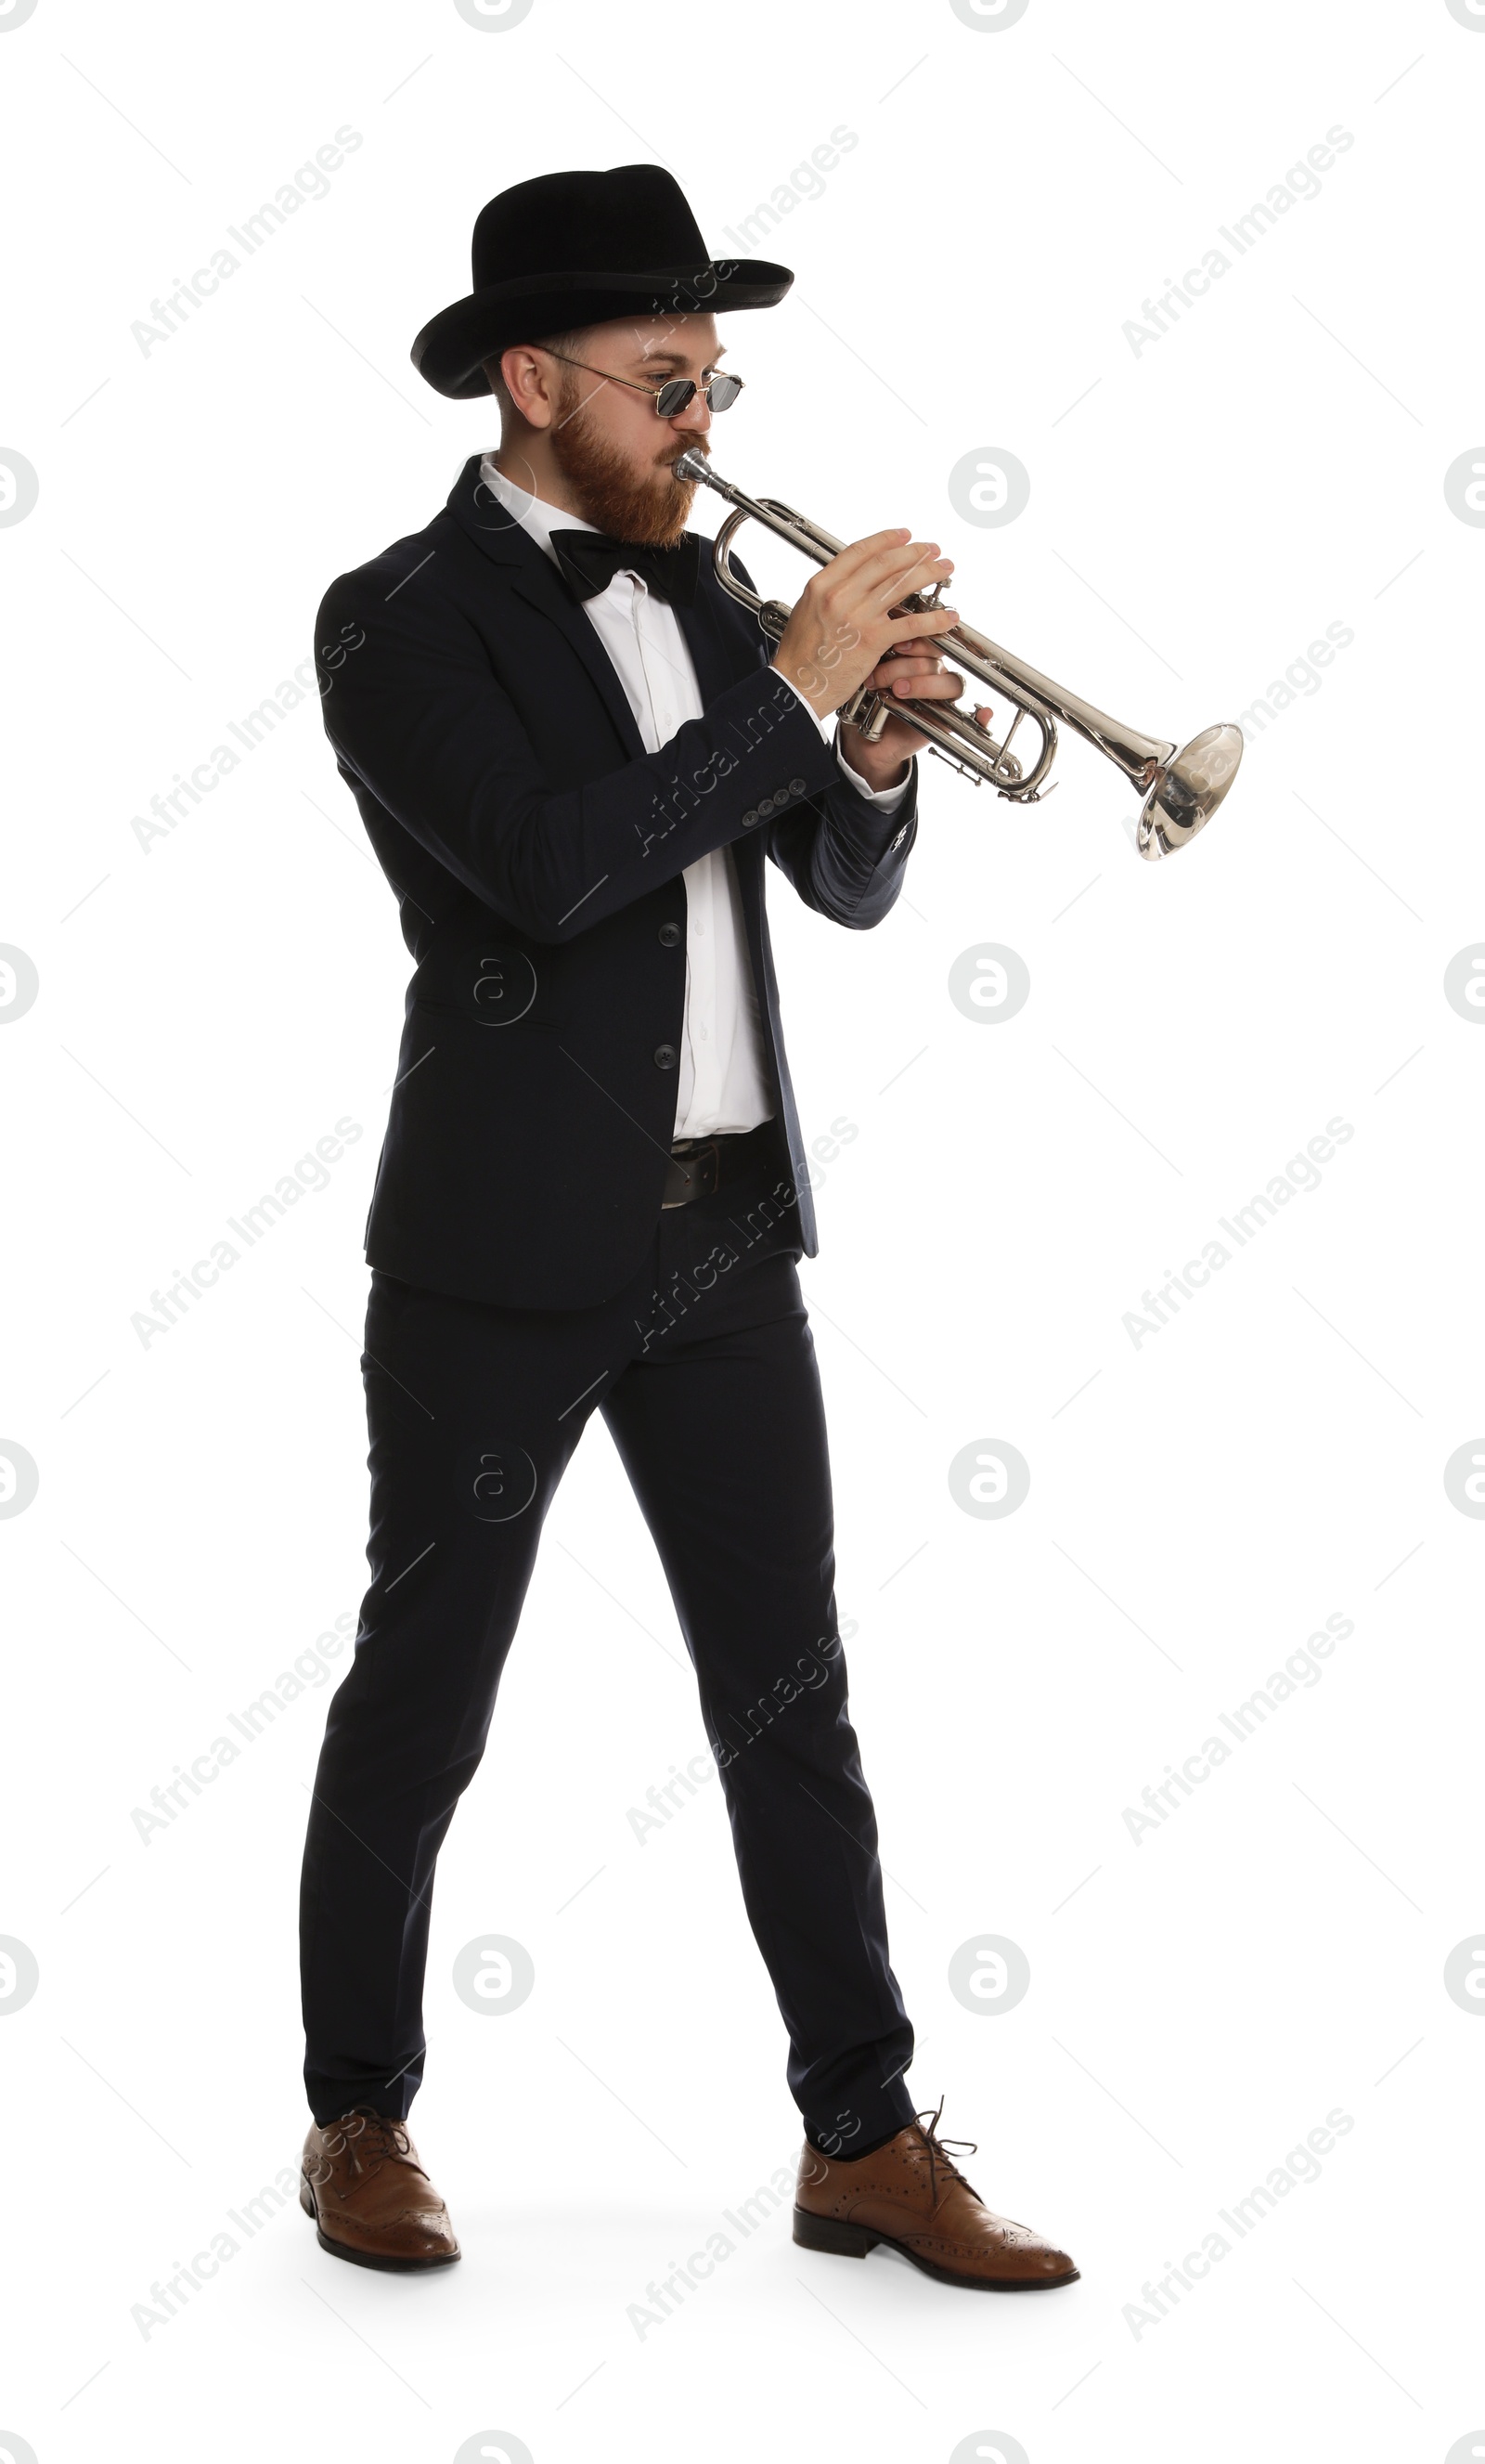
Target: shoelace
(378, 2135)
(937, 2149)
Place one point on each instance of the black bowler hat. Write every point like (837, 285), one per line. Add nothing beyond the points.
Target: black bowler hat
(579, 247)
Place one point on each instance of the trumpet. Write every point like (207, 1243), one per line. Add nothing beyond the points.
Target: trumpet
(1181, 790)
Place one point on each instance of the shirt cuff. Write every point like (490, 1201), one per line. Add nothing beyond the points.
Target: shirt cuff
(885, 799)
(824, 724)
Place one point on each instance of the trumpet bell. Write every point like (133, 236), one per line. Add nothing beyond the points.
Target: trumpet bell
(1187, 790)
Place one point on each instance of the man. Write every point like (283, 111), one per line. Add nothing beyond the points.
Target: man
(572, 751)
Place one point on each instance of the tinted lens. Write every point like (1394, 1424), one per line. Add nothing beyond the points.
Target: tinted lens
(672, 398)
(722, 391)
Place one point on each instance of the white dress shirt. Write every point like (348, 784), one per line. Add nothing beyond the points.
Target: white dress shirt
(723, 1075)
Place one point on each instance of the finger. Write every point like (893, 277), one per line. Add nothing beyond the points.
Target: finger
(930, 688)
(929, 569)
(894, 571)
(926, 620)
(896, 663)
(935, 687)
(908, 672)
(849, 561)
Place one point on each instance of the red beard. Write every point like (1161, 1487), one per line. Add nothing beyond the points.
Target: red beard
(647, 508)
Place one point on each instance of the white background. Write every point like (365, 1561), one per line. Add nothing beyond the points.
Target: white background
(1199, 513)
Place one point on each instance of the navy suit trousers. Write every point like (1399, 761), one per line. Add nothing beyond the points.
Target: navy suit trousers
(704, 1369)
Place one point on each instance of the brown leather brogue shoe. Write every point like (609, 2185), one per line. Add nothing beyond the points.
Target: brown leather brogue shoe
(913, 2197)
(370, 2198)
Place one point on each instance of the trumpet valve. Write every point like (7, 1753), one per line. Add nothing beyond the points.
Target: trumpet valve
(868, 711)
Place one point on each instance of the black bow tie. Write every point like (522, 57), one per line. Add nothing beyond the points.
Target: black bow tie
(589, 559)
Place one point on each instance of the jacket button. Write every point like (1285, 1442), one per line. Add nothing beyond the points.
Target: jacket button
(797, 787)
(669, 934)
(765, 806)
(749, 819)
(665, 1056)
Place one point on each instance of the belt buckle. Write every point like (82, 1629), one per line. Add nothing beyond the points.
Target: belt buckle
(699, 1167)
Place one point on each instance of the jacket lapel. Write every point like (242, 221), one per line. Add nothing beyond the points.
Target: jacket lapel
(714, 657)
(536, 580)
(718, 660)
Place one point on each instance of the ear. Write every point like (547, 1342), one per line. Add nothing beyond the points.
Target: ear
(531, 384)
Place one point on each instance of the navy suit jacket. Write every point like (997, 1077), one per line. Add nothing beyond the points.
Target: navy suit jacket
(537, 849)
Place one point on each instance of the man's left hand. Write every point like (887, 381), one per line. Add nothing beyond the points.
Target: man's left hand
(912, 675)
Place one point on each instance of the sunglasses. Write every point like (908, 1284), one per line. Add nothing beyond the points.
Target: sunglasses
(677, 393)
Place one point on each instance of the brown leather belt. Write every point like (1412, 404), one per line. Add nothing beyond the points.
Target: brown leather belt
(700, 1166)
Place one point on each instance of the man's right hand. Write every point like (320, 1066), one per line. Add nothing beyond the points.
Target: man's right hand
(841, 626)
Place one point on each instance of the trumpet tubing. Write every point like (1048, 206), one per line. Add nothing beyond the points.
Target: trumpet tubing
(1181, 790)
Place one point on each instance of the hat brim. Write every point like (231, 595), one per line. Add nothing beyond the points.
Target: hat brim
(453, 346)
